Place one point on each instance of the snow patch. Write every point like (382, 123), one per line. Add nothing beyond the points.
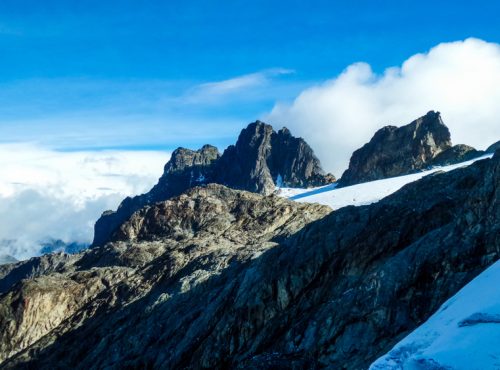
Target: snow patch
(365, 193)
(279, 181)
(463, 334)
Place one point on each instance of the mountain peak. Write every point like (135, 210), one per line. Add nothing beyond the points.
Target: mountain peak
(182, 158)
(395, 151)
(284, 131)
(255, 163)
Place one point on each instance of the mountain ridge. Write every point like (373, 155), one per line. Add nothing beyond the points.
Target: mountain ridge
(223, 278)
(260, 157)
(217, 277)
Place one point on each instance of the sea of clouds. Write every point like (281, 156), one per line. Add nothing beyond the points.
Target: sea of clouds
(47, 194)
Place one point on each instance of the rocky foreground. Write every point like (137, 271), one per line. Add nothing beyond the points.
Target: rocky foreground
(221, 278)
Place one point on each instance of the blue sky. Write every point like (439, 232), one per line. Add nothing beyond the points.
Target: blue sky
(159, 74)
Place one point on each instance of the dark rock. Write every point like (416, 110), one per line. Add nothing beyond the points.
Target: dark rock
(399, 151)
(245, 164)
(456, 154)
(480, 318)
(185, 169)
(493, 147)
(294, 162)
(218, 278)
(259, 159)
(12, 273)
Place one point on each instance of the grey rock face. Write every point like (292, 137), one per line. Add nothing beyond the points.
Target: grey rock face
(493, 147)
(244, 165)
(261, 156)
(218, 278)
(12, 273)
(294, 161)
(185, 169)
(456, 154)
(399, 151)
(255, 163)
(180, 243)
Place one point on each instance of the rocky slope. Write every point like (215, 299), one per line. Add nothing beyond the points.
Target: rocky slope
(455, 154)
(219, 278)
(493, 147)
(397, 151)
(260, 158)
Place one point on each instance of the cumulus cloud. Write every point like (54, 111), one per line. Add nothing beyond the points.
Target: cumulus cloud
(47, 194)
(459, 79)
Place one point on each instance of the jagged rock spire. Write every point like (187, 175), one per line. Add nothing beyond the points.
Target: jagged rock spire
(259, 157)
(395, 151)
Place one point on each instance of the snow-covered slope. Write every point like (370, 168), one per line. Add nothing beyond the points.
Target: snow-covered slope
(463, 334)
(361, 194)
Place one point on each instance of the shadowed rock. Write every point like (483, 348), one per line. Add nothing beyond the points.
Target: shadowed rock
(456, 154)
(218, 278)
(493, 147)
(262, 157)
(395, 151)
(185, 169)
(259, 160)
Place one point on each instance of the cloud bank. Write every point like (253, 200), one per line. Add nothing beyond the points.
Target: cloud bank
(459, 79)
(47, 194)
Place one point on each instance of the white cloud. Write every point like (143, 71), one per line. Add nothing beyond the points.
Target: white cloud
(213, 91)
(459, 79)
(50, 194)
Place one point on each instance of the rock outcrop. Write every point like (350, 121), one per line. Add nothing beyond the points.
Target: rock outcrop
(263, 158)
(219, 278)
(395, 151)
(260, 159)
(493, 147)
(456, 154)
(185, 169)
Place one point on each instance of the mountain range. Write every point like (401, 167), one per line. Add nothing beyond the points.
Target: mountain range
(229, 262)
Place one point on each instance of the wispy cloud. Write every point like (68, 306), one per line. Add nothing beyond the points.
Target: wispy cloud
(98, 130)
(214, 91)
(77, 113)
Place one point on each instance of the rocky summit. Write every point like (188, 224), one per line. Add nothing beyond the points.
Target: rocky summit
(493, 147)
(395, 151)
(455, 154)
(218, 278)
(261, 159)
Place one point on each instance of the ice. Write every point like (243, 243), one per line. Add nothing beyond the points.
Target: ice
(463, 334)
(362, 194)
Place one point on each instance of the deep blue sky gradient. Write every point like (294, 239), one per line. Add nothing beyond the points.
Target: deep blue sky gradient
(64, 63)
